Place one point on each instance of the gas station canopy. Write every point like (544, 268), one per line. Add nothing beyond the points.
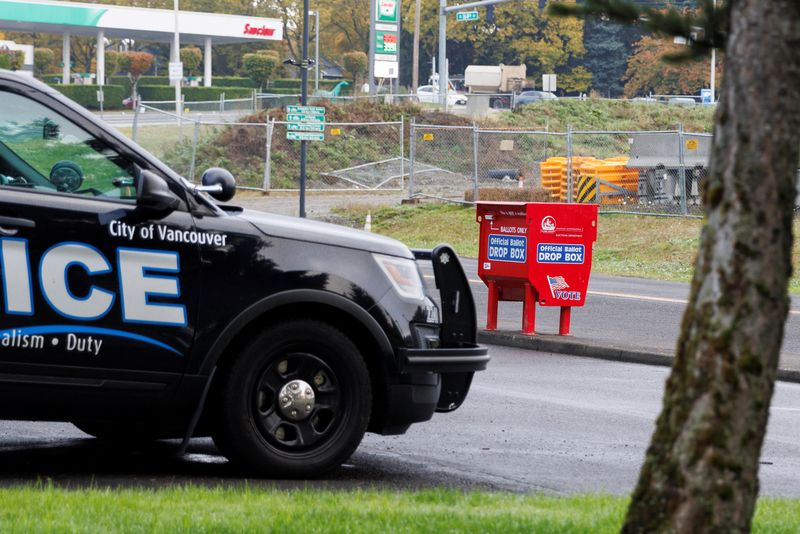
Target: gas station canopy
(134, 23)
(104, 21)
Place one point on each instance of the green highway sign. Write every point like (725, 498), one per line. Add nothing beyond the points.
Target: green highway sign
(305, 136)
(305, 127)
(466, 15)
(312, 110)
(302, 117)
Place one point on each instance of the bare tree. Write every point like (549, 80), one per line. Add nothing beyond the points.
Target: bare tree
(701, 470)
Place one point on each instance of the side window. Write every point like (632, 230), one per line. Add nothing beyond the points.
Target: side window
(40, 149)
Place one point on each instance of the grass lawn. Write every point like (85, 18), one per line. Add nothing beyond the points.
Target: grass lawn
(199, 509)
(661, 248)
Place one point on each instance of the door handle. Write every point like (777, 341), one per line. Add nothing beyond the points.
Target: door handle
(9, 226)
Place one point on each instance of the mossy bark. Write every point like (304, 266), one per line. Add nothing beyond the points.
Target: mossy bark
(701, 469)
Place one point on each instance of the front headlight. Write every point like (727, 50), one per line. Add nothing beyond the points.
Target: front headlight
(403, 275)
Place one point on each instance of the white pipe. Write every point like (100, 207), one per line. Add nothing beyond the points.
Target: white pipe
(101, 58)
(207, 64)
(66, 55)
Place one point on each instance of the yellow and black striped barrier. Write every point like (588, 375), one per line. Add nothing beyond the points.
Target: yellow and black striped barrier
(587, 189)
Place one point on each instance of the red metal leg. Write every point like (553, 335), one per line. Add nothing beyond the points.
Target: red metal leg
(491, 310)
(529, 311)
(563, 324)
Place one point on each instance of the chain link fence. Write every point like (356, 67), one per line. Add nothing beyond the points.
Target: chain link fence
(659, 172)
(353, 156)
(638, 172)
(360, 156)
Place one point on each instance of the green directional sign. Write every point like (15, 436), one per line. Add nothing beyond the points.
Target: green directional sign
(305, 123)
(305, 127)
(466, 15)
(303, 117)
(310, 110)
(305, 136)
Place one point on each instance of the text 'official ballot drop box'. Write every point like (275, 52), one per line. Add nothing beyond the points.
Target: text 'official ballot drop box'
(536, 252)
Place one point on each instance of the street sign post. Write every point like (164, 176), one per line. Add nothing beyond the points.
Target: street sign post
(305, 123)
(316, 110)
(466, 15)
(305, 136)
(303, 117)
(305, 127)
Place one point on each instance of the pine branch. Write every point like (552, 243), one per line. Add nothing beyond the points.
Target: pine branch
(703, 29)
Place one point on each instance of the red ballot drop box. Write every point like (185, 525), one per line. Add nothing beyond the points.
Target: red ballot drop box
(536, 252)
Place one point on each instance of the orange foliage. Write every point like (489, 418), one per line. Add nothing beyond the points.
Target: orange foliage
(649, 72)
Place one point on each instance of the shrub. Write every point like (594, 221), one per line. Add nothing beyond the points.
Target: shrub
(261, 66)
(11, 59)
(192, 94)
(43, 60)
(191, 57)
(86, 95)
(510, 194)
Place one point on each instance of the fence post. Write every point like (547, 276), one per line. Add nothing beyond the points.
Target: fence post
(268, 157)
(402, 151)
(682, 169)
(196, 139)
(412, 148)
(255, 107)
(180, 118)
(222, 101)
(569, 164)
(475, 190)
(135, 128)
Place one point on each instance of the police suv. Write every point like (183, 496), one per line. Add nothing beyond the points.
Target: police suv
(137, 308)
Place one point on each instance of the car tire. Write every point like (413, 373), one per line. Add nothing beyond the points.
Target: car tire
(295, 403)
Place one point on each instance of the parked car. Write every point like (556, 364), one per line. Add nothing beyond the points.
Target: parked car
(529, 97)
(430, 94)
(138, 308)
(682, 101)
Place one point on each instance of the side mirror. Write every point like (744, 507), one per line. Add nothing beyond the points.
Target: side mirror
(153, 194)
(218, 183)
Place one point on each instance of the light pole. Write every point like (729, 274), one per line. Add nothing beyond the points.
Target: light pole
(315, 14)
(304, 101)
(176, 58)
(443, 11)
(713, 65)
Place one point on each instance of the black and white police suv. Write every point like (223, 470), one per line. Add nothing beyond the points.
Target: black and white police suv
(137, 308)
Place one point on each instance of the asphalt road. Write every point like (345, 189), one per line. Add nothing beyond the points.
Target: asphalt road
(533, 422)
(634, 313)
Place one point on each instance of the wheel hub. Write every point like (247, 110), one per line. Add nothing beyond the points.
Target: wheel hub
(296, 400)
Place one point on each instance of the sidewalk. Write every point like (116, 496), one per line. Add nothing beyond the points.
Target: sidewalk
(588, 348)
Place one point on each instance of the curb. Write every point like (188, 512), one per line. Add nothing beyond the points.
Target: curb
(577, 347)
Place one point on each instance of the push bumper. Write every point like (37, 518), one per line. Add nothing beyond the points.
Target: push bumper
(457, 356)
(444, 360)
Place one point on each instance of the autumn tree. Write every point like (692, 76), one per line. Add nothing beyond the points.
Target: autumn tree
(191, 57)
(11, 59)
(261, 66)
(520, 32)
(44, 59)
(651, 71)
(356, 64)
(700, 472)
(345, 24)
(135, 64)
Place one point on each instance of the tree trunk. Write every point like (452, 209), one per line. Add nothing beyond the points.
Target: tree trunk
(701, 469)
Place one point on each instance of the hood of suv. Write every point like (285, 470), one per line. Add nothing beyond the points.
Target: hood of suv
(324, 233)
